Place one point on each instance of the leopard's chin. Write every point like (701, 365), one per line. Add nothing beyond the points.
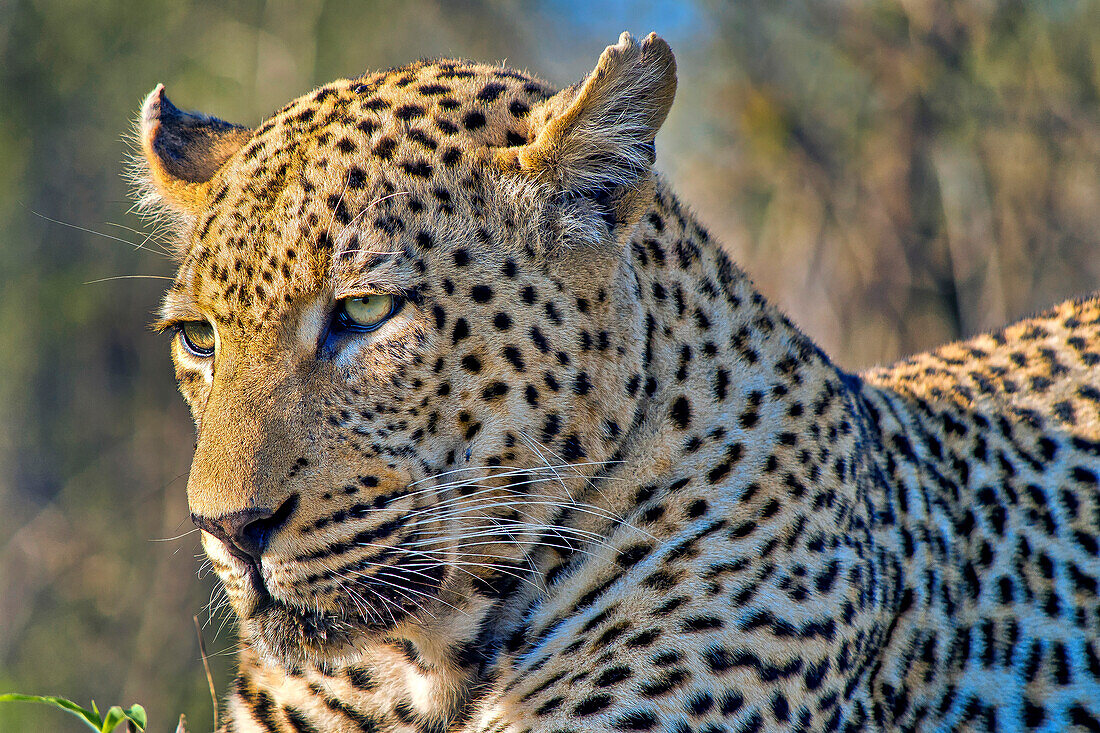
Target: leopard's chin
(283, 631)
(294, 637)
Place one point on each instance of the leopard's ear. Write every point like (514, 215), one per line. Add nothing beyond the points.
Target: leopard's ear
(180, 153)
(594, 140)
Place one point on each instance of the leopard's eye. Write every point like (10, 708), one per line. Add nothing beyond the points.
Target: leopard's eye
(198, 338)
(366, 312)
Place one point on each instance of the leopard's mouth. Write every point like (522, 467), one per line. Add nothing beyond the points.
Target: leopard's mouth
(295, 636)
(323, 604)
(345, 618)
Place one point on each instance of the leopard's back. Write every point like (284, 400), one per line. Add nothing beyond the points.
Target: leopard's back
(992, 446)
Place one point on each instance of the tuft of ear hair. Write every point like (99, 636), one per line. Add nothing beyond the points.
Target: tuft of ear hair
(595, 139)
(181, 153)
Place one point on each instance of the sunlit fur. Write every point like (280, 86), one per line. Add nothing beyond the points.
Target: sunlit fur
(587, 478)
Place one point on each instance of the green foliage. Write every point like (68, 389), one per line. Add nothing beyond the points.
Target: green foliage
(115, 716)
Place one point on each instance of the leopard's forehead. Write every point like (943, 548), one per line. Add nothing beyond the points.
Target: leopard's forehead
(475, 104)
(342, 170)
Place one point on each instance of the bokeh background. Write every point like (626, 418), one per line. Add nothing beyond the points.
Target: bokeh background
(894, 173)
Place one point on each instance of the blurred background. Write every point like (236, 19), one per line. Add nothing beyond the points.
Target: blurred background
(894, 173)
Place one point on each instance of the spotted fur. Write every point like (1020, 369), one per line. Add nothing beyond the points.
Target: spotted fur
(587, 478)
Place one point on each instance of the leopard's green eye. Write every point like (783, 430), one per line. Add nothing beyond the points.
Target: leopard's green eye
(366, 312)
(198, 338)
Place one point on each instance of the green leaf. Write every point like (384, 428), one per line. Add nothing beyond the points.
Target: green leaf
(90, 717)
(137, 714)
(114, 716)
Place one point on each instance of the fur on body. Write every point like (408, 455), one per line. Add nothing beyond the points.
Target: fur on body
(583, 476)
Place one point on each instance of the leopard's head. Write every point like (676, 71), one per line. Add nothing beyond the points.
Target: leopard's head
(406, 330)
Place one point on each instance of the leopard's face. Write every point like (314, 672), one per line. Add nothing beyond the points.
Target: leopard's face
(398, 366)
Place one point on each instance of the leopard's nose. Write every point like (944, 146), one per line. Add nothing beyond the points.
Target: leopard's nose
(246, 533)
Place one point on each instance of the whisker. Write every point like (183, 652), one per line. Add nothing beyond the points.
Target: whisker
(520, 501)
(518, 469)
(177, 537)
(127, 277)
(154, 236)
(365, 209)
(345, 571)
(340, 200)
(83, 229)
(533, 446)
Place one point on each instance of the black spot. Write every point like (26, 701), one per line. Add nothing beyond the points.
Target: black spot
(572, 449)
(636, 720)
(339, 209)
(780, 707)
(664, 683)
(612, 676)
(473, 120)
(357, 178)
(643, 639)
(634, 554)
(551, 427)
(374, 104)
(490, 92)
(731, 702)
(694, 624)
(451, 157)
(549, 706)
(384, 147)
(733, 454)
(494, 391)
(539, 340)
(298, 720)
(361, 679)
(696, 509)
(721, 384)
(461, 330)
(514, 357)
(481, 293)
(408, 112)
(1033, 715)
(681, 413)
(1083, 719)
(699, 704)
(419, 136)
(662, 580)
(418, 168)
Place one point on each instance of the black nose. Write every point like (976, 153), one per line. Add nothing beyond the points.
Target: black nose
(246, 533)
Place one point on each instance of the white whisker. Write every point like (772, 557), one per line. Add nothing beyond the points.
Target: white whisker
(126, 277)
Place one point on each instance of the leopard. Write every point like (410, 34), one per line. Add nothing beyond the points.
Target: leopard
(493, 436)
